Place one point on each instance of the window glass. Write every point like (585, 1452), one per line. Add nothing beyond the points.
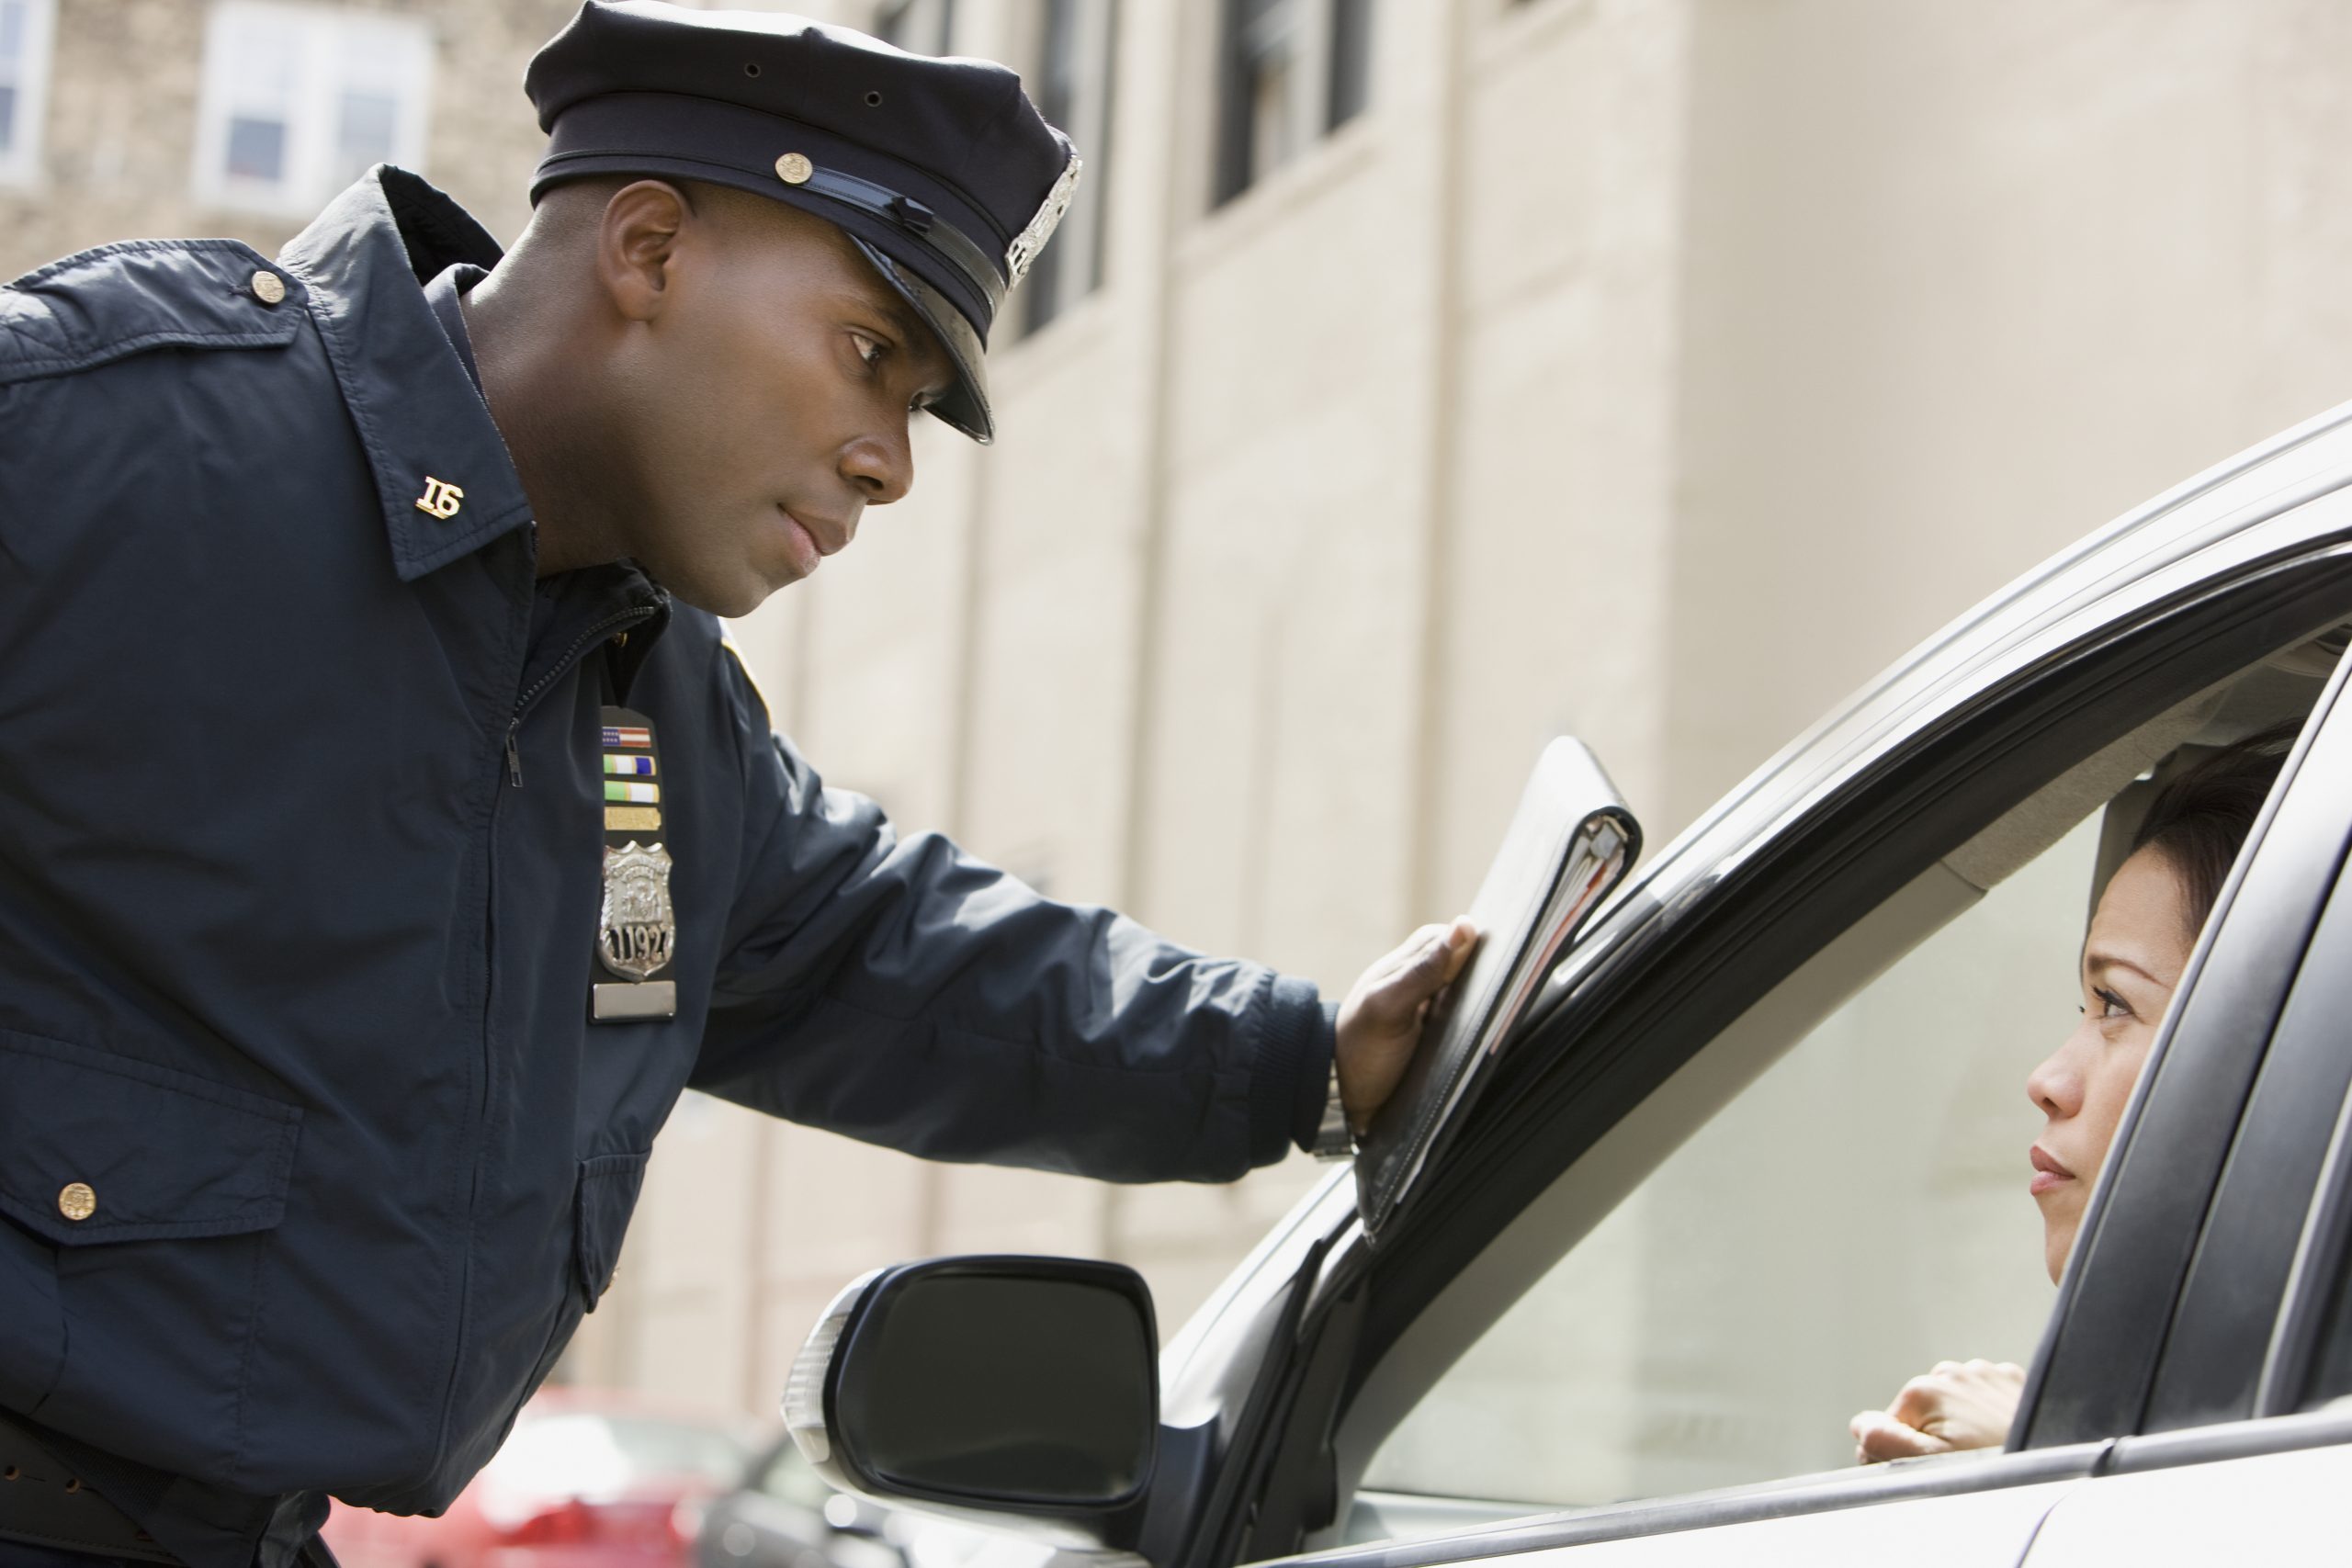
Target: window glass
(12, 63)
(1289, 71)
(25, 26)
(2331, 1378)
(1350, 83)
(1078, 54)
(268, 64)
(363, 133)
(1857, 1214)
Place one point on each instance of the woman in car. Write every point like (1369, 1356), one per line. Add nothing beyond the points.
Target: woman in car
(2146, 923)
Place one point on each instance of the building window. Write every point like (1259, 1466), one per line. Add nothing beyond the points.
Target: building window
(25, 29)
(300, 100)
(1077, 55)
(918, 27)
(1288, 71)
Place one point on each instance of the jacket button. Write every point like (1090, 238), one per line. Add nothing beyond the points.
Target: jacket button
(78, 1202)
(268, 287)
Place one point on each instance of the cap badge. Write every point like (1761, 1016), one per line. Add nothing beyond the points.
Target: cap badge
(794, 169)
(1031, 240)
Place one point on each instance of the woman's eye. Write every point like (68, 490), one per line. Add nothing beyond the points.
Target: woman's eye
(2111, 1005)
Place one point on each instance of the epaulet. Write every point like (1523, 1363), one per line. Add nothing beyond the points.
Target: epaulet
(743, 667)
(125, 298)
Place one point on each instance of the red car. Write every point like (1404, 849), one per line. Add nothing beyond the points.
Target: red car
(586, 1480)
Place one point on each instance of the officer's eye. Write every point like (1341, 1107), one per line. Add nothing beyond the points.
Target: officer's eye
(869, 349)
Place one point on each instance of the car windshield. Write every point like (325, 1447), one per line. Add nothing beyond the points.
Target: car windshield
(589, 1455)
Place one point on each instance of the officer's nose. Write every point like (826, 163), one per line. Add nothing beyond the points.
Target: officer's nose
(881, 467)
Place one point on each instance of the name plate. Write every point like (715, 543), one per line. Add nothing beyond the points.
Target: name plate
(611, 1003)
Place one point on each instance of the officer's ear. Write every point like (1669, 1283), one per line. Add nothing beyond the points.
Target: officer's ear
(637, 246)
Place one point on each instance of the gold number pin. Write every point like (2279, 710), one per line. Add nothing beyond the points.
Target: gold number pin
(441, 498)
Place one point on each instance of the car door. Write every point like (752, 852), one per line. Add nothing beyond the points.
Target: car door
(1823, 899)
(1970, 1508)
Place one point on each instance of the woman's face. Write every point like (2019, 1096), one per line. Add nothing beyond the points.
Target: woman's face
(2138, 945)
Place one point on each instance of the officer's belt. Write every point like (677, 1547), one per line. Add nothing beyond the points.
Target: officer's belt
(43, 1503)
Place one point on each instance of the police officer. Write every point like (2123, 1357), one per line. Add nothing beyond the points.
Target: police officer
(388, 836)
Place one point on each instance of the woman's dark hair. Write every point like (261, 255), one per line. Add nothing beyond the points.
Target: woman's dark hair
(2201, 820)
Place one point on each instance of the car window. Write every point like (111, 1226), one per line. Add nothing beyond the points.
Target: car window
(1857, 1214)
(2331, 1376)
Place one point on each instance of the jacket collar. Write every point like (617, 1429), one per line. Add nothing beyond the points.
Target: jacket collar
(443, 477)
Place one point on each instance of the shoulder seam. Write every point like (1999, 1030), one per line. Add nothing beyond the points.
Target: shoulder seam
(79, 259)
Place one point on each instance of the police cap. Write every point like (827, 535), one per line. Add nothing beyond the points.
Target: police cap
(941, 170)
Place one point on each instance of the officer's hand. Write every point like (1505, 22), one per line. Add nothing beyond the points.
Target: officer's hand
(1381, 1020)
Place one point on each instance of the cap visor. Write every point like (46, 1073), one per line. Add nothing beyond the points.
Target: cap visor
(966, 404)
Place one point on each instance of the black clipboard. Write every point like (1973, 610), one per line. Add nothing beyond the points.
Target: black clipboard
(1570, 844)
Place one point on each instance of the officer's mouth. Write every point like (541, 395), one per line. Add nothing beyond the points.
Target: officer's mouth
(811, 539)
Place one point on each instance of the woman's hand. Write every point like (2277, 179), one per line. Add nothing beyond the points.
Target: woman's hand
(1961, 1404)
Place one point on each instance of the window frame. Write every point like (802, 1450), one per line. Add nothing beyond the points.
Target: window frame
(21, 164)
(1333, 45)
(321, 36)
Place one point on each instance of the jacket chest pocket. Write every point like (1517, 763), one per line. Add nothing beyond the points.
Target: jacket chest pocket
(154, 1191)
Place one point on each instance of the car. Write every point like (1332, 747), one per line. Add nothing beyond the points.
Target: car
(781, 1514)
(1757, 1153)
(587, 1479)
(784, 1514)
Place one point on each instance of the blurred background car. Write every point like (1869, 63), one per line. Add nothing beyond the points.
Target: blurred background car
(783, 1515)
(587, 1479)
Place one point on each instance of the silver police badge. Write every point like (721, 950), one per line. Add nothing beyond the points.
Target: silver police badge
(1031, 240)
(639, 933)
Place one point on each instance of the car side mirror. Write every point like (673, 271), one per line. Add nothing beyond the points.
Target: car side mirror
(983, 1387)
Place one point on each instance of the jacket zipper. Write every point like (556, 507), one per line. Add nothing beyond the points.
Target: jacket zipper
(603, 629)
(490, 969)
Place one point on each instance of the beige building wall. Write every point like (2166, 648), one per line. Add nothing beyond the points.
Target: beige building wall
(1654, 370)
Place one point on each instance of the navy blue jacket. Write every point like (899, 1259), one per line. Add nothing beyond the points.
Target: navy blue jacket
(295, 957)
